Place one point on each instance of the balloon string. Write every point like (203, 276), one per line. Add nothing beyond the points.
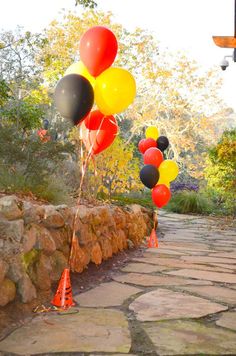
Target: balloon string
(83, 171)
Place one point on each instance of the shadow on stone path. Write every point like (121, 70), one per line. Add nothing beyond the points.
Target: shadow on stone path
(179, 299)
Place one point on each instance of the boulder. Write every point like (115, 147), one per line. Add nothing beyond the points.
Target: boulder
(11, 207)
(33, 213)
(53, 218)
(7, 292)
(45, 241)
(26, 289)
(3, 270)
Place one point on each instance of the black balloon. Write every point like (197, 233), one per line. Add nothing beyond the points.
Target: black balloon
(74, 97)
(162, 143)
(149, 175)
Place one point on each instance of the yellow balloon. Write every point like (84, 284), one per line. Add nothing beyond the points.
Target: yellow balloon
(168, 170)
(152, 132)
(79, 68)
(163, 181)
(115, 90)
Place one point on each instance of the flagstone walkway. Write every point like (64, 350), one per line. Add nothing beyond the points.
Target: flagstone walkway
(179, 299)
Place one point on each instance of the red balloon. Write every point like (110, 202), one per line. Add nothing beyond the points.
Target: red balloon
(98, 49)
(98, 131)
(144, 144)
(161, 195)
(153, 156)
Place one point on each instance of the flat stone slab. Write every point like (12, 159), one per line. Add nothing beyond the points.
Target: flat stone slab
(91, 330)
(180, 337)
(206, 275)
(143, 268)
(221, 265)
(207, 259)
(166, 251)
(149, 280)
(171, 263)
(217, 293)
(227, 320)
(164, 304)
(224, 255)
(106, 295)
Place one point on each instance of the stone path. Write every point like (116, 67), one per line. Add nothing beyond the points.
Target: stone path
(179, 299)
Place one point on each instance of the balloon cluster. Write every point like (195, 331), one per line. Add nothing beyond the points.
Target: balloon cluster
(94, 80)
(157, 172)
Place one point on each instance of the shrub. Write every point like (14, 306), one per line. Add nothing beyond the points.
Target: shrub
(220, 171)
(29, 166)
(189, 202)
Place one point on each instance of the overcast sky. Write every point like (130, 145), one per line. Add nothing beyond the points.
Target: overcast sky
(178, 24)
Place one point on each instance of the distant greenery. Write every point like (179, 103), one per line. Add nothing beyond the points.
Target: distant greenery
(220, 171)
(29, 166)
(188, 202)
(141, 198)
(91, 4)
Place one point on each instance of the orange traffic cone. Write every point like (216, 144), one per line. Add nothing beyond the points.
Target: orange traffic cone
(152, 241)
(63, 296)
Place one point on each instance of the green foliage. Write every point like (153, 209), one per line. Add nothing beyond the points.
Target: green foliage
(188, 202)
(29, 258)
(25, 114)
(220, 171)
(141, 198)
(30, 166)
(4, 92)
(91, 4)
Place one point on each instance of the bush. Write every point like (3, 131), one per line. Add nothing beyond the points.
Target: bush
(143, 199)
(189, 202)
(179, 186)
(29, 166)
(220, 171)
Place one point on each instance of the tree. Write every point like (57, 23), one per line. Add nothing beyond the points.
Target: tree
(220, 171)
(86, 3)
(172, 91)
(22, 76)
(117, 170)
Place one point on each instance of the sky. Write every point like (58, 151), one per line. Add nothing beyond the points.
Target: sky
(186, 25)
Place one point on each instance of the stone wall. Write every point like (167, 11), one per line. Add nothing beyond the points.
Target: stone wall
(35, 241)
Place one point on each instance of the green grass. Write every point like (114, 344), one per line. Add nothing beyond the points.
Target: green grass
(53, 190)
(188, 202)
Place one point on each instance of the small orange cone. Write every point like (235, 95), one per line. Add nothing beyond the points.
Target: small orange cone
(152, 241)
(63, 296)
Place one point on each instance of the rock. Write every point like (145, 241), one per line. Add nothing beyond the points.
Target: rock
(92, 330)
(7, 292)
(220, 294)
(162, 304)
(227, 320)
(61, 236)
(106, 295)
(58, 262)
(16, 268)
(45, 241)
(53, 218)
(3, 270)
(11, 233)
(33, 213)
(40, 272)
(182, 337)
(65, 211)
(146, 280)
(11, 207)
(26, 289)
(106, 247)
(85, 234)
(96, 254)
(205, 275)
(29, 237)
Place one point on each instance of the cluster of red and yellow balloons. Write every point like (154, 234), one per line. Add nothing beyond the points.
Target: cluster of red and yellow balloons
(157, 173)
(93, 80)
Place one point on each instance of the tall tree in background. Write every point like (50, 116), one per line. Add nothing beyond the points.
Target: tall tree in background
(22, 77)
(172, 92)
